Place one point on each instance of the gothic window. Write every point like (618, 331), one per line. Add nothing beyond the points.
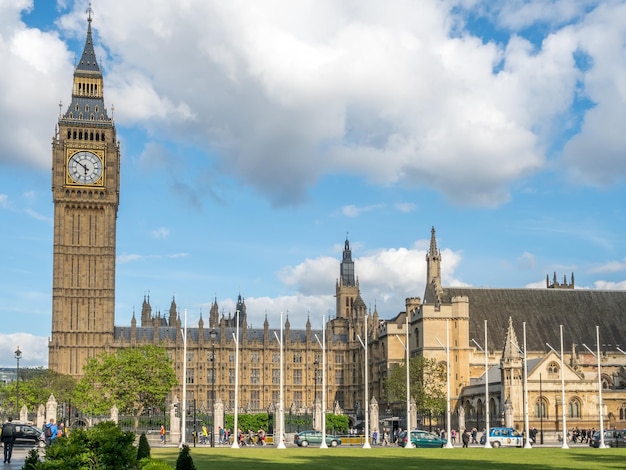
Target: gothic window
(297, 376)
(69, 134)
(231, 357)
(276, 376)
(80, 134)
(339, 377)
(275, 357)
(74, 131)
(77, 108)
(80, 115)
(622, 411)
(574, 408)
(297, 399)
(231, 376)
(255, 401)
(86, 108)
(540, 409)
(92, 118)
(553, 369)
(190, 376)
(72, 117)
(338, 358)
(255, 376)
(96, 109)
(297, 358)
(417, 337)
(254, 358)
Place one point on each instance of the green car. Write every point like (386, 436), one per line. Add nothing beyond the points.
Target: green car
(304, 438)
(421, 439)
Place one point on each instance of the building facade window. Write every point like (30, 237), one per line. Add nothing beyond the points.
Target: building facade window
(574, 409)
(297, 376)
(276, 376)
(231, 376)
(553, 369)
(255, 400)
(255, 376)
(297, 399)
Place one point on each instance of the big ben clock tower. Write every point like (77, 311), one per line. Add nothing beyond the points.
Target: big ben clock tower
(85, 191)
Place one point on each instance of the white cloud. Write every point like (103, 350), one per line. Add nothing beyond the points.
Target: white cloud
(610, 267)
(405, 207)
(386, 277)
(354, 211)
(4, 201)
(608, 285)
(286, 93)
(128, 257)
(34, 350)
(160, 232)
(526, 261)
(37, 70)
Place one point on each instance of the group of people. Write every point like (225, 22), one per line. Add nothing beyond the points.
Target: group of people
(50, 432)
(380, 438)
(251, 438)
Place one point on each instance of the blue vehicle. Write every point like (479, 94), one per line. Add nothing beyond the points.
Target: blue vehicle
(505, 437)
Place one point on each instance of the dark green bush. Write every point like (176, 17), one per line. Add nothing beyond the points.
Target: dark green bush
(143, 449)
(184, 461)
(103, 446)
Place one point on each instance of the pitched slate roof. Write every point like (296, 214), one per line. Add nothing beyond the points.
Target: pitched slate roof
(543, 310)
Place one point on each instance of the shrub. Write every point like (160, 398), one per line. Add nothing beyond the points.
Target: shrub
(184, 461)
(32, 461)
(143, 449)
(103, 446)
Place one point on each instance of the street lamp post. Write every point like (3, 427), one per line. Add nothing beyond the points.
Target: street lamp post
(316, 364)
(18, 356)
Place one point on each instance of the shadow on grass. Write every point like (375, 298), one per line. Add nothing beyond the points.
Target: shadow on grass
(394, 458)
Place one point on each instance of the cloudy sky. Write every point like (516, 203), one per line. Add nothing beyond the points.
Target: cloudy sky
(256, 135)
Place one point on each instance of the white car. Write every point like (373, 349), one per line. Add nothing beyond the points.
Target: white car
(505, 437)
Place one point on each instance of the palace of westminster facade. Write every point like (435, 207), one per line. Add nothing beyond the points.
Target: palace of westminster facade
(86, 187)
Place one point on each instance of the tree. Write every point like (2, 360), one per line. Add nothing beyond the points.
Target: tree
(427, 381)
(36, 386)
(184, 461)
(143, 449)
(132, 379)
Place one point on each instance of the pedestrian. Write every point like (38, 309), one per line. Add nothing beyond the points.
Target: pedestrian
(162, 431)
(453, 436)
(50, 432)
(8, 438)
(466, 438)
(474, 435)
(375, 437)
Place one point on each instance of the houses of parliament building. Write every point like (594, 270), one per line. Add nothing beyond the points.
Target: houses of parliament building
(86, 189)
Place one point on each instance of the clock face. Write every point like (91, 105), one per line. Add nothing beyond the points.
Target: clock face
(85, 167)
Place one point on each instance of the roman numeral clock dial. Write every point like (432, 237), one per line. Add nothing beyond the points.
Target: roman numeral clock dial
(85, 168)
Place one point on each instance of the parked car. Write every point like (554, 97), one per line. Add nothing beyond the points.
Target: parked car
(505, 437)
(304, 438)
(420, 438)
(28, 435)
(612, 438)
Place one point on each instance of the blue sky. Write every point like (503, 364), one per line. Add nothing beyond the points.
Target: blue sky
(256, 135)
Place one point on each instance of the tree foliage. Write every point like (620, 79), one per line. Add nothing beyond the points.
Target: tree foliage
(427, 381)
(337, 424)
(132, 379)
(35, 387)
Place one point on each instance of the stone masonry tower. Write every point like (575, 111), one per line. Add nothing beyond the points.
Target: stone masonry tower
(85, 192)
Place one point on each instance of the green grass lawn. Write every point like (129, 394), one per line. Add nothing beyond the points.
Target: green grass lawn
(399, 458)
